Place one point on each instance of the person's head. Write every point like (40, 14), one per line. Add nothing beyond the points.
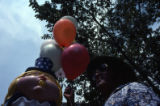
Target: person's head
(107, 73)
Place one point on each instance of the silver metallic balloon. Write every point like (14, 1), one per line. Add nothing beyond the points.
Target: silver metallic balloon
(74, 21)
(51, 50)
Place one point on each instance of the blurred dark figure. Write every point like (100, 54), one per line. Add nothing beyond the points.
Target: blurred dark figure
(118, 84)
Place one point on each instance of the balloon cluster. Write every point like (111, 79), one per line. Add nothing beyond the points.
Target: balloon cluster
(74, 57)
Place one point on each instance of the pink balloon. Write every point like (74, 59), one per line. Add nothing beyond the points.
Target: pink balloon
(75, 60)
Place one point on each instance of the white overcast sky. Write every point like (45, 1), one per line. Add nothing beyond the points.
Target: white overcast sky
(20, 40)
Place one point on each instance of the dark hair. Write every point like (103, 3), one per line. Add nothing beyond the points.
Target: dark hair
(121, 71)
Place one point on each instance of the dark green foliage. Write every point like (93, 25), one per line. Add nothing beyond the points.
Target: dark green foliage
(128, 29)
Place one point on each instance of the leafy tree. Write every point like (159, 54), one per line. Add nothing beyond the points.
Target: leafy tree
(128, 29)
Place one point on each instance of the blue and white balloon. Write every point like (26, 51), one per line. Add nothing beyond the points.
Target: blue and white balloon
(51, 50)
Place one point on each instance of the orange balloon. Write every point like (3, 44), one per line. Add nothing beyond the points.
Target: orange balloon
(64, 32)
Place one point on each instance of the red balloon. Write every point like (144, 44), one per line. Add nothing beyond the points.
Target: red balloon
(64, 32)
(75, 60)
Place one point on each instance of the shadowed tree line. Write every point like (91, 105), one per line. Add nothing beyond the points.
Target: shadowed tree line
(129, 29)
